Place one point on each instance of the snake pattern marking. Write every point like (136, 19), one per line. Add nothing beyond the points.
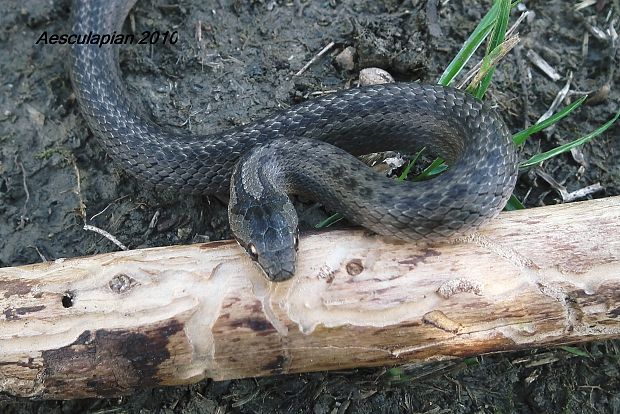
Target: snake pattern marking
(307, 149)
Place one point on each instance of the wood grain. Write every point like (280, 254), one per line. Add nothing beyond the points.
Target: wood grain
(110, 324)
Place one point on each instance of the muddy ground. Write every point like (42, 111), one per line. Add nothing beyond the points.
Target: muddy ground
(243, 69)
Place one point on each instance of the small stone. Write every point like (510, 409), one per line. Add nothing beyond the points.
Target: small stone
(346, 59)
(35, 115)
(374, 76)
(184, 232)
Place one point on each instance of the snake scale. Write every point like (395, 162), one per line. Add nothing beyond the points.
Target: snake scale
(307, 149)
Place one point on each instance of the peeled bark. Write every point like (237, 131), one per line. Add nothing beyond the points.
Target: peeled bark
(110, 324)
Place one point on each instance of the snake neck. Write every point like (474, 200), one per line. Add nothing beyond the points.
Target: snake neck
(261, 215)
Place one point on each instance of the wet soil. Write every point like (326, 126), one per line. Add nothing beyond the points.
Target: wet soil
(54, 175)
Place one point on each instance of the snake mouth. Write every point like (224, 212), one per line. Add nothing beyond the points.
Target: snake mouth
(281, 275)
(279, 265)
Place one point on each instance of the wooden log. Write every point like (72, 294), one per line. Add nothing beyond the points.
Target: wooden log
(110, 324)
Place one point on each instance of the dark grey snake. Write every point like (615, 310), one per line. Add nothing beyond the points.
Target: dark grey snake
(307, 149)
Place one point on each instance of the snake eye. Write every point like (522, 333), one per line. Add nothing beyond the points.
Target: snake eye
(253, 252)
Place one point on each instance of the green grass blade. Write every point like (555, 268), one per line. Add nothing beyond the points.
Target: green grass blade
(470, 46)
(575, 351)
(514, 204)
(436, 167)
(471, 361)
(396, 372)
(497, 38)
(520, 137)
(334, 218)
(405, 173)
(538, 158)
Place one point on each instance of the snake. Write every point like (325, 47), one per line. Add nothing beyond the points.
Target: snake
(308, 149)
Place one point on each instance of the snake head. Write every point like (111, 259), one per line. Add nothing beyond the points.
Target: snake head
(266, 227)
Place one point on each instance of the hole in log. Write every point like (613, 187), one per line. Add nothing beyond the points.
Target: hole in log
(355, 267)
(67, 300)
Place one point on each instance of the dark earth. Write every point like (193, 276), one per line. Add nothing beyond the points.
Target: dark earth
(243, 68)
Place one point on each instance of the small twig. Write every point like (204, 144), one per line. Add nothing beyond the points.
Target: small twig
(188, 121)
(78, 190)
(613, 50)
(198, 31)
(584, 4)
(41, 255)
(109, 205)
(596, 32)
(558, 99)
(583, 192)
(316, 57)
(561, 189)
(22, 217)
(513, 28)
(585, 44)
(154, 220)
(552, 182)
(106, 235)
(542, 64)
(132, 22)
(101, 212)
(526, 196)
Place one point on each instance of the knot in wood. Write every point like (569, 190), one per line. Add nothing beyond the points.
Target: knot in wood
(122, 283)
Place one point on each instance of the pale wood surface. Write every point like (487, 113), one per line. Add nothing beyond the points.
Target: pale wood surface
(110, 324)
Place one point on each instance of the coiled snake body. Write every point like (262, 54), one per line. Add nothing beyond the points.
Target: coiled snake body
(307, 149)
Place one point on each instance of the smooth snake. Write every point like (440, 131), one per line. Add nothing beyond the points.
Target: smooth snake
(307, 149)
